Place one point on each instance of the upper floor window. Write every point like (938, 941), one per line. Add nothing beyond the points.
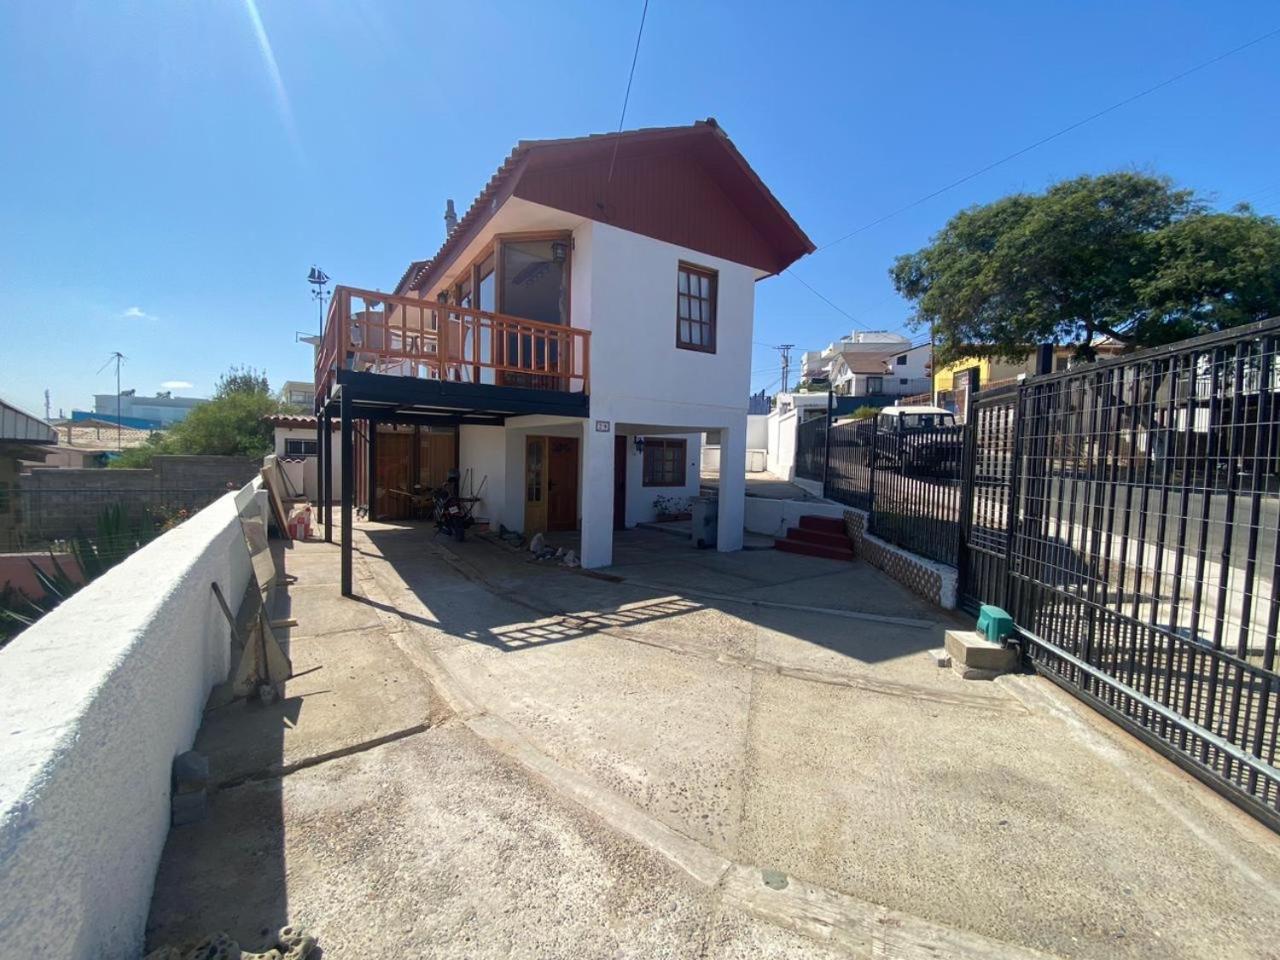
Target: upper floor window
(902, 360)
(696, 309)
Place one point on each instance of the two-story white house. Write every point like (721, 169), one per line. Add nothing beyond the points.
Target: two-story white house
(582, 324)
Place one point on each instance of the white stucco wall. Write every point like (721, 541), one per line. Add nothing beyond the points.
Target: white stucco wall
(640, 508)
(782, 444)
(312, 487)
(484, 451)
(773, 517)
(757, 431)
(99, 696)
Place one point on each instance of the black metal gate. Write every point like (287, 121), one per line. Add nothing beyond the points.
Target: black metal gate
(1127, 514)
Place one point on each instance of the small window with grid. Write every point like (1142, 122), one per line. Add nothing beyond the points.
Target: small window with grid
(664, 462)
(299, 448)
(696, 309)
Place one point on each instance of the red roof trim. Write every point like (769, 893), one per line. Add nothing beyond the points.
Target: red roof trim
(423, 274)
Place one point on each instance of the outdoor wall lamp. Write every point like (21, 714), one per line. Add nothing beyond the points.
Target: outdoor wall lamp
(559, 251)
(638, 443)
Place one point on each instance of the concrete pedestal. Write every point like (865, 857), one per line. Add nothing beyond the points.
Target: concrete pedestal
(976, 658)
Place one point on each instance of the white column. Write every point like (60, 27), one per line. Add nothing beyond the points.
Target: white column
(733, 484)
(597, 496)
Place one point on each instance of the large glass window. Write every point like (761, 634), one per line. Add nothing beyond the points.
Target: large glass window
(695, 309)
(533, 280)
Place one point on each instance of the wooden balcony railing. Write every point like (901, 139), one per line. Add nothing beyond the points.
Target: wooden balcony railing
(407, 337)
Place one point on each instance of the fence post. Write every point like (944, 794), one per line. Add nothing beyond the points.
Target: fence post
(968, 472)
(871, 470)
(826, 443)
(1015, 478)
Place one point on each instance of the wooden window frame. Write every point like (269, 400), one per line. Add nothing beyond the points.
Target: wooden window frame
(652, 445)
(712, 275)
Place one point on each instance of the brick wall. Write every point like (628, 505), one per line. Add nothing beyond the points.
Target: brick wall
(934, 581)
(60, 503)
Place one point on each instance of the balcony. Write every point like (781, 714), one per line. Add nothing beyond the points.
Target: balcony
(378, 333)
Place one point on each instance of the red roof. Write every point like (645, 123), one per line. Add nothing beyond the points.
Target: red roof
(729, 181)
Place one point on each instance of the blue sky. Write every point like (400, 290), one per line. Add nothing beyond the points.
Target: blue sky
(166, 183)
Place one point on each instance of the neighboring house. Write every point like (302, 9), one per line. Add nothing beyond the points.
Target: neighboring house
(299, 394)
(296, 447)
(154, 413)
(583, 323)
(997, 372)
(23, 436)
(860, 344)
(90, 443)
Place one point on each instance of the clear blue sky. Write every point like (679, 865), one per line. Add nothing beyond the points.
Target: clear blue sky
(165, 186)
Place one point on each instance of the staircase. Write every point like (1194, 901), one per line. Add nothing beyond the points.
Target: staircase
(817, 537)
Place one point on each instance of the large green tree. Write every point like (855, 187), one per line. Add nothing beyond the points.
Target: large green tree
(231, 424)
(1122, 255)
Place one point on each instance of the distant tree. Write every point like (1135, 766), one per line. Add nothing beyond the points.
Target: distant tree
(1122, 255)
(241, 379)
(231, 424)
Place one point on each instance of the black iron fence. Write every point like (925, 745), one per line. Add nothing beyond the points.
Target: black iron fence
(904, 469)
(1127, 514)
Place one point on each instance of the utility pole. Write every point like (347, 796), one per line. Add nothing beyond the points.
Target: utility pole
(47, 407)
(785, 349)
(117, 358)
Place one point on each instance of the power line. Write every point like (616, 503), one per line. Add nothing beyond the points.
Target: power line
(1043, 140)
(626, 98)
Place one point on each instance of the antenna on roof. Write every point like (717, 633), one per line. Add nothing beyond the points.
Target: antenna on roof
(117, 358)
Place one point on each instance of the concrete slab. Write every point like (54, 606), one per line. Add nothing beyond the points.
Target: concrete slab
(974, 657)
(904, 811)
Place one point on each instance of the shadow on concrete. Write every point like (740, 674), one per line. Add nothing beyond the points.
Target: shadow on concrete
(518, 621)
(655, 578)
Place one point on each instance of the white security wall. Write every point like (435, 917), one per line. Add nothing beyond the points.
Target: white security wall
(757, 431)
(99, 697)
(782, 444)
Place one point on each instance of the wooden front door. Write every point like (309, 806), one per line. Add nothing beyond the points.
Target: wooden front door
(535, 485)
(394, 475)
(619, 482)
(562, 483)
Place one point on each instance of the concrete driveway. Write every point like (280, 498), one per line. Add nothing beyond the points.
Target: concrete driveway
(702, 754)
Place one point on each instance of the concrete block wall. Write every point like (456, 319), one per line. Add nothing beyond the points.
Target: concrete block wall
(61, 503)
(99, 697)
(934, 581)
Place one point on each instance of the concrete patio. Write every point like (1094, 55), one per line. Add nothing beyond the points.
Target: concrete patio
(686, 754)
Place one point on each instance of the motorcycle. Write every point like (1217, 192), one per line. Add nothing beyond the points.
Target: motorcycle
(448, 512)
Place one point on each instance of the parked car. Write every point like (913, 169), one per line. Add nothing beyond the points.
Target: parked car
(920, 441)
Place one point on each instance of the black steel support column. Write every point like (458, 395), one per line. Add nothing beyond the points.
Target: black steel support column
(371, 488)
(348, 488)
(319, 468)
(326, 477)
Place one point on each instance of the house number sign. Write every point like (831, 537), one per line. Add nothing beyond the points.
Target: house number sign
(602, 426)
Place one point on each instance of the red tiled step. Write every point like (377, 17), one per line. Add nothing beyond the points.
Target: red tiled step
(813, 549)
(823, 524)
(820, 537)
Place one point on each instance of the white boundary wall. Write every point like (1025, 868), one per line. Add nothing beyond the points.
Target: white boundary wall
(98, 698)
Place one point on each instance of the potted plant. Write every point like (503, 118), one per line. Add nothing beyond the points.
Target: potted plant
(671, 508)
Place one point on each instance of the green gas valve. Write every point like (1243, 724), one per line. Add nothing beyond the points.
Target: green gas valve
(994, 624)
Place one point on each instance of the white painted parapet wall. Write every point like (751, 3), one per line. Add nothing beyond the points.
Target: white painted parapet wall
(96, 699)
